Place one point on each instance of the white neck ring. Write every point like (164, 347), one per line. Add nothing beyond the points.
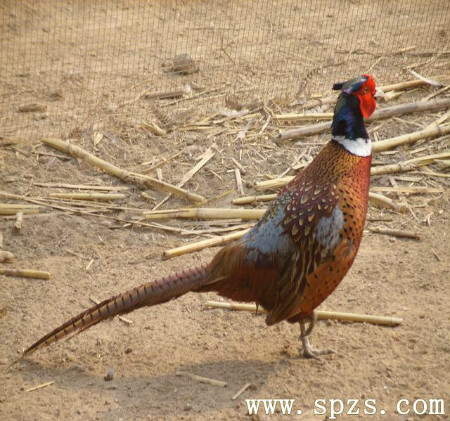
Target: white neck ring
(359, 147)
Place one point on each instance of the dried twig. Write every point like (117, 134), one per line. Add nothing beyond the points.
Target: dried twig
(202, 379)
(125, 175)
(321, 314)
(395, 233)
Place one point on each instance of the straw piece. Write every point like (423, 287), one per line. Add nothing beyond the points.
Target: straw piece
(303, 117)
(26, 273)
(200, 245)
(40, 386)
(89, 196)
(253, 199)
(125, 175)
(239, 185)
(206, 156)
(243, 389)
(81, 186)
(321, 314)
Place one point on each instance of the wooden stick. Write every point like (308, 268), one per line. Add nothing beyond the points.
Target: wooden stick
(89, 196)
(202, 379)
(200, 245)
(396, 233)
(432, 132)
(125, 175)
(321, 314)
(205, 213)
(377, 115)
(26, 273)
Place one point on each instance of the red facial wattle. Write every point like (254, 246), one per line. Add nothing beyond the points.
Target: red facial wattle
(367, 104)
(366, 96)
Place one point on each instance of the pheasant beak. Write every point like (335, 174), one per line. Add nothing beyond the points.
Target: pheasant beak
(379, 94)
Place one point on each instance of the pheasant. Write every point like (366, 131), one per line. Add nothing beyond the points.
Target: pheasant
(299, 251)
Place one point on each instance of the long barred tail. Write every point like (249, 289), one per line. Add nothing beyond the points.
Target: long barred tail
(149, 294)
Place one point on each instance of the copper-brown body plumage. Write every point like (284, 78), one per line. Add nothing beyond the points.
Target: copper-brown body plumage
(299, 251)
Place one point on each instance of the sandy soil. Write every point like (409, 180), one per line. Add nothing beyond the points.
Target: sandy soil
(95, 257)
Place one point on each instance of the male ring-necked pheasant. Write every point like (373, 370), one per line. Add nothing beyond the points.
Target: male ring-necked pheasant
(299, 251)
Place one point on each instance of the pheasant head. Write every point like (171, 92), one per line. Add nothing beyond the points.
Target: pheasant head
(356, 102)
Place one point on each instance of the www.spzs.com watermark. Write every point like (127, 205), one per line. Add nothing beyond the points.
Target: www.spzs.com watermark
(333, 408)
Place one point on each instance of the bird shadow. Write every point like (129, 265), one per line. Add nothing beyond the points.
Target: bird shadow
(167, 393)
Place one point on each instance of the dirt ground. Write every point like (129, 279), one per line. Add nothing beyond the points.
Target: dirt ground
(96, 256)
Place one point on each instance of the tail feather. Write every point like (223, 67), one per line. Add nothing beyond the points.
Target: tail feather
(152, 293)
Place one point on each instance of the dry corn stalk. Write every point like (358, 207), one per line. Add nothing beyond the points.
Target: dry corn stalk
(205, 213)
(125, 175)
(377, 115)
(26, 273)
(432, 132)
(321, 314)
(200, 245)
